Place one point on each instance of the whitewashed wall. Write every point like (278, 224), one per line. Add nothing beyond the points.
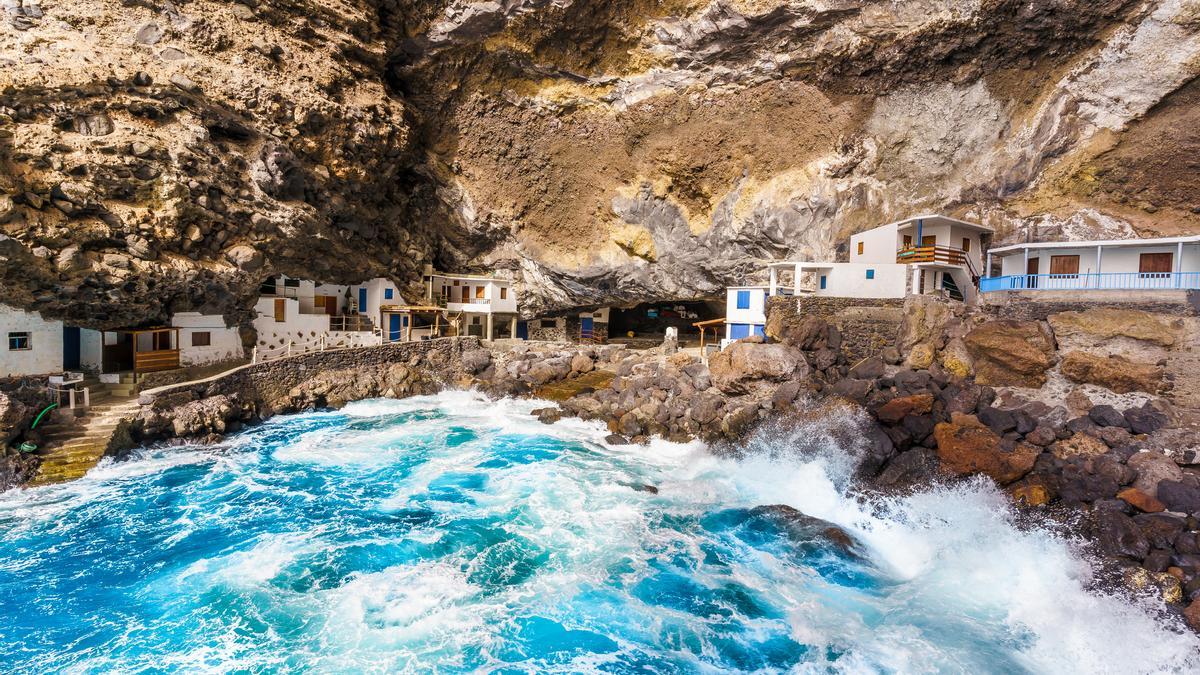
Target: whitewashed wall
(46, 343)
(879, 245)
(225, 341)
(849, 280)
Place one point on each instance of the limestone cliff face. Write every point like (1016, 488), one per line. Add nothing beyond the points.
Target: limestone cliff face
(601, 150)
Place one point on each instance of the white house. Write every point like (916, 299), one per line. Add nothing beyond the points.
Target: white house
(1119, 264)
(205, 339)
(484, 306)
(298, 315)
(37, 346)
(918, 255)
(745, 312)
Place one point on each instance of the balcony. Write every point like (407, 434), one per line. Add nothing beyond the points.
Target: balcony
(1124, 281)
(947, 255)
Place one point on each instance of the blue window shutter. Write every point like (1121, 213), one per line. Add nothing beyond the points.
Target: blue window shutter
(362, 300)
(760, 330)
(738, 331)
(823, 281)
(387, 294)
(743, 299)
(870, 274)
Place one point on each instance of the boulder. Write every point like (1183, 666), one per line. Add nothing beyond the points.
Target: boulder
(582, 363)
(967, 446)
(476, 360)
(895, 410)
(1192, 615)
(97, 124)
(1107, 416)
(1119, 535)
(1150, 469)
(1041, 436)
(1010, 353)
(1096, 325)
(1179, 496)
(1140, 500)
(1112, 372)
(736, 369)
(1146, 419)
(808, 334)
(914, 467)
(867, 369)
(956, 359)
(1079, 445)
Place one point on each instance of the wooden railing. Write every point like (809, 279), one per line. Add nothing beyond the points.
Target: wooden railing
(160, 359)
(929, 254)
(351, 322)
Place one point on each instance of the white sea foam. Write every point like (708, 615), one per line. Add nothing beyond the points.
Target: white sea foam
(963, 588)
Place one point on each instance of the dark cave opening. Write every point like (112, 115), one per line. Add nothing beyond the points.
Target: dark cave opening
(648, 321)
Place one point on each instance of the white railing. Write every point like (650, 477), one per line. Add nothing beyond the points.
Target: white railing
(321, 343)
(74, 397)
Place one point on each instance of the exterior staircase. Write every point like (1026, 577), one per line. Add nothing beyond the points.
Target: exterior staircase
(951, 287)
(73, 444)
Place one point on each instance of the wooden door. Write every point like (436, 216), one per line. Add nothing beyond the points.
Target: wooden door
(929, 240)
(331, 303)
(280, 310)
(1031, 271)
(1157, 264)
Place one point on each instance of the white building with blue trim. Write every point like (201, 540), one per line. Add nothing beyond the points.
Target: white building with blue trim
(1168, 263)
(922, 255)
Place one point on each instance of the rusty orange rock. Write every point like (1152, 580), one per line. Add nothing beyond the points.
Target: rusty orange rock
(965, 446)
(1141, 501)
(897, 409)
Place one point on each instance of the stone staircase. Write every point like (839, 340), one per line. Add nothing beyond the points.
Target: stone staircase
(73, 444)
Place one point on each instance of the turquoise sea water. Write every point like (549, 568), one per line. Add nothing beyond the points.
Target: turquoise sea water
(450, 533)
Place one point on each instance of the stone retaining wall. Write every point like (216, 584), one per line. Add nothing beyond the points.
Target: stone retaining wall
(1038, 305)
(320, 379)
(867, 325)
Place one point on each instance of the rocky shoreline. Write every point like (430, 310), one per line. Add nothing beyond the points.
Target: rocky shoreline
(1122, 478)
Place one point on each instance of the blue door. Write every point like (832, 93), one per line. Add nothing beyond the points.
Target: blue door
(362, 301)
(393, 327)
(737, 331)
(70, 348)
(585, 328)
(523, 330)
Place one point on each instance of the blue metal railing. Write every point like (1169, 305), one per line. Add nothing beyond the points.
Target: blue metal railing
(1092, 281)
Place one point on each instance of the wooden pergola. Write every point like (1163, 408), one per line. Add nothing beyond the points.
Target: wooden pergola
(704, 325)
(146, 350)
(411, 312)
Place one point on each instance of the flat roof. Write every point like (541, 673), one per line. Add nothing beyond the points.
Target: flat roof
(1160, 241)
(938, 220)
(805, 263)
(475, 277)
(747, 288)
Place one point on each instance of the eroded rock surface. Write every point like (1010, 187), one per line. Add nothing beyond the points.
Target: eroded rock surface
(159, 157)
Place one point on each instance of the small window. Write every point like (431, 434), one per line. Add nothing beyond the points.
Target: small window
(503, 293)
(201, 338)
(388, 294)
(743, 299)
(824, 281)
(479, 292)
(476, 320)
(966, 245)
(860, 248)
(19, 342)
(870, 274)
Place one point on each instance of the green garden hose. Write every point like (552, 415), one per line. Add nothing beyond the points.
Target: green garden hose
(43, 414)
